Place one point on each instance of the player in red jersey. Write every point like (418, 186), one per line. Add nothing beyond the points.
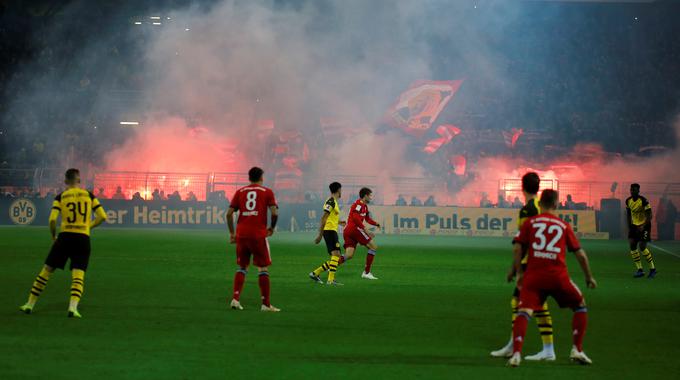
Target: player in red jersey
(355, 231)
(546, 239)
(252, 202)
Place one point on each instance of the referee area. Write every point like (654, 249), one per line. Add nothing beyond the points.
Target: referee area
(155, 306)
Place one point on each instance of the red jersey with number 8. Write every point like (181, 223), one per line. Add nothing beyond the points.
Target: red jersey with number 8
(252, 203)
(547, 238)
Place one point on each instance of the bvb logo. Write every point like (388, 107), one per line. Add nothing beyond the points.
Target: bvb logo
(22, 211)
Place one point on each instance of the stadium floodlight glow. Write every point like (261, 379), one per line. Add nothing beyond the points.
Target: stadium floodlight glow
(155, 17)
(156, 23)
(186, 29)
(138, 23)
(129, 123)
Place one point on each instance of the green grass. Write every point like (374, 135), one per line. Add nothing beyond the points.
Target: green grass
(155, 308)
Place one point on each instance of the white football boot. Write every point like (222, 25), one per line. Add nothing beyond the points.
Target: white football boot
(545, 354)
(515, 360)
(368, 276)
(236, 305)
(270, 308)
(504, 352)
(579, 357)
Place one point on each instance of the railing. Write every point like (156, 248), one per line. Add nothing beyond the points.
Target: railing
(386, 189)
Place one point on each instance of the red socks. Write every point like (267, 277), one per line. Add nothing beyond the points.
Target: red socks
(578, 325)
(519, 330)
(263, 280)
(239, 279)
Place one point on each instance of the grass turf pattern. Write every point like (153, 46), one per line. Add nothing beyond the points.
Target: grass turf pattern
(155, 307)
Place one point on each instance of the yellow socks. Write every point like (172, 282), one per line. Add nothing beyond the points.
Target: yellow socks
(77, 287)
(545, 326)
(648, 257)
(332, 268)
(635, 255)
(324, 267)
(38, 286)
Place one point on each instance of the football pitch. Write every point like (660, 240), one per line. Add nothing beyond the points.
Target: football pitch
(155, 307)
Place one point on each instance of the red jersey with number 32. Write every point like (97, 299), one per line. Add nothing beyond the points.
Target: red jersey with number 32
(252, 203)
(547, 238)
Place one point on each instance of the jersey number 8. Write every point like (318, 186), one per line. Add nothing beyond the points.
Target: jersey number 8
(251, 200)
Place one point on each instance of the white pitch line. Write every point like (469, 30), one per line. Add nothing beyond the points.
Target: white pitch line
(665, 250)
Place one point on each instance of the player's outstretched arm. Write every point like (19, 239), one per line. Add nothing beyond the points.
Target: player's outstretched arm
(582, 259)
(230, 224)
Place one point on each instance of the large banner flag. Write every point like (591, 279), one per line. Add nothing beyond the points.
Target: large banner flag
(447, 133)
(418, 107)
(512, 136)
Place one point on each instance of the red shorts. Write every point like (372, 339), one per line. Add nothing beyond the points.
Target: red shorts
(256, 247)
(355, 236)
(536, 289)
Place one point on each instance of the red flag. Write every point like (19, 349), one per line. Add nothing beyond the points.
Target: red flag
(512, 136)
(447, 133)
(418, 107)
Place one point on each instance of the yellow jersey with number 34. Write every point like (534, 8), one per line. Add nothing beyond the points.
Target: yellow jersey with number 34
(75, 206)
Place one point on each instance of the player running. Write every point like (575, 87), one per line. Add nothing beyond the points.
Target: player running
(355, 231)
(530, 185)
(75, 206)
(328, 230)
(547, 238)
(639, 216)
(252, 202)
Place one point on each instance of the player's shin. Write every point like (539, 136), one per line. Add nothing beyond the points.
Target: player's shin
(263, 281)
(77, 288)
(324, 267)
(239, 280)
(578, 324)
(333, 268)
(545, 327)
(519, 330)
(38, 286)
(648, 256)
(369, 260)
(635, 255)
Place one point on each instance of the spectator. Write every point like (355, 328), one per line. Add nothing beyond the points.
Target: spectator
(401, 201)
(137, 197)
(502, 203)
(416, 202)
(174, 197)
(517, 203)
(569, 204)
(485, 202)
(162, 195)
(191, 197)
(156, 195)
(100, 193)
(429, 202)
(118, 194)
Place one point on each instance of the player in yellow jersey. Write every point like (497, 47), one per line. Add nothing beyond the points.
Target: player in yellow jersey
(328, 230)
(75, 206)
(639, 216)
(530, 186)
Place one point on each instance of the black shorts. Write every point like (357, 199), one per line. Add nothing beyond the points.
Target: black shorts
(637, 235)
(332, 240)
(72, 246)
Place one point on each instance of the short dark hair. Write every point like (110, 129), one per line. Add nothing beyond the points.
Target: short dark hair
(255, 174)
(549, 199)
(71, 175)
(364, 192)
(635, 185)
(334, 187)
(531, 183)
